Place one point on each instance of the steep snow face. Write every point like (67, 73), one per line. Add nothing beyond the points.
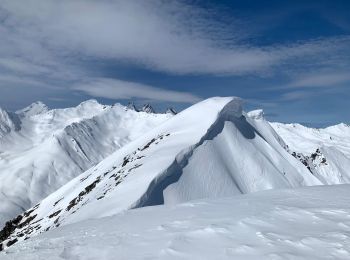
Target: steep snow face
(51, 147)
(238, 155)
(307, 223)
(211, 149)
(8, 122)
(326, 152)
(33, 109)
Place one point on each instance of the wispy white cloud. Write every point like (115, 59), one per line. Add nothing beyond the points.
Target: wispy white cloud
(47, 41)
(326, 79)
(295, 95)
(321, 79)
(118, 89)
(167, 36)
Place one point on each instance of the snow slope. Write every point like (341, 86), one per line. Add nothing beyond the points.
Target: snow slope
(42, 149)
(306, 223)
(209, 150)
(326, 151)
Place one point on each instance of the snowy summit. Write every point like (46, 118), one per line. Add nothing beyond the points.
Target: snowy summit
(110, 160)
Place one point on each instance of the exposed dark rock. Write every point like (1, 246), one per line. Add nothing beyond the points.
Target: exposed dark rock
(10, 227)
(171, 111)
(27, 221)
(55, 213)
(57, 202)
(84, 178)
(148, 144)
(126, 160)
(27, 213)
(11, 242)
(148, 109)
(56, 220)
(136, 166)
(87, 189)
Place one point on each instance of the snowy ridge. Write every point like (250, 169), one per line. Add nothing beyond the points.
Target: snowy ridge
(326, 152)
(33, 109)
(182, 159)
(210, 150)
(119, 179)
(53, 146)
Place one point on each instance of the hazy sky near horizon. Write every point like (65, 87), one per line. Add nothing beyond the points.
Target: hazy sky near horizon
(291, 58)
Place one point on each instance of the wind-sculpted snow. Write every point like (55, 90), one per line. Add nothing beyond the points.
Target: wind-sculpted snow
(307, 223)
(44, 149)
(210, 150)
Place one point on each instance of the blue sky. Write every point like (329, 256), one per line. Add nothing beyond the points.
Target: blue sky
(291, 58)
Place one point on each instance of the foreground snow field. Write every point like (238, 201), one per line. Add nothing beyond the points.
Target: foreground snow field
(304, 223)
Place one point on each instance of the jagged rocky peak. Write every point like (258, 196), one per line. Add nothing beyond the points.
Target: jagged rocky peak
(131, 106)
(148, 108)
(35, 108)
(171, 111)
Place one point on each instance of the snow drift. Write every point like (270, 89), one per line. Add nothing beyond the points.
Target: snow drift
(305, 223)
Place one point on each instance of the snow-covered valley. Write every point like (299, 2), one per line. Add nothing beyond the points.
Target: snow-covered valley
(82, 174)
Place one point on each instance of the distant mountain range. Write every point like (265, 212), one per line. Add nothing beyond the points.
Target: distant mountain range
(64, 166)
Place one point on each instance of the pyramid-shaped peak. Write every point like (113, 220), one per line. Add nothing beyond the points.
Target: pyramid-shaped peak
(171, 111)
(35, 108)
(132, 106)
(148, 108)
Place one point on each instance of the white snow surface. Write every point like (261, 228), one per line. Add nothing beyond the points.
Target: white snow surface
(42, 149)
(307, 223)
(211, 150)
(332, 163)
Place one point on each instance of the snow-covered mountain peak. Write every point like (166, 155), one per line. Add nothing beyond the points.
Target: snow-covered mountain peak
(33, 109)
(90, 104)
(132, 106)
(40, 153)
(339, 127)
(210, 150)
(256, 114)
